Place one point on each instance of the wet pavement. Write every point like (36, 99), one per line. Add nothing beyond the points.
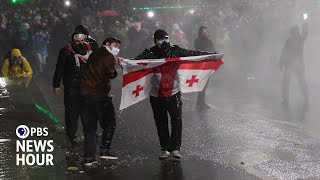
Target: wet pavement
(246, 135)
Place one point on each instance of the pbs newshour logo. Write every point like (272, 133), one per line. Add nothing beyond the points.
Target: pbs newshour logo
(31, 151)
(22, 131)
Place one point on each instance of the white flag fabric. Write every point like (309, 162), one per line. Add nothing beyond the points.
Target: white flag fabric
(192, 73)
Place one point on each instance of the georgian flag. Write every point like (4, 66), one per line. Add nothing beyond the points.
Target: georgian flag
(192, 72)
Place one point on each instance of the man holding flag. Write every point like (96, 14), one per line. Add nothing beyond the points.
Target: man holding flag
(165, 90)
(97, 104)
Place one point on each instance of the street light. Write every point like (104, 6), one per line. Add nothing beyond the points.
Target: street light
(150, 14)
(67, 3)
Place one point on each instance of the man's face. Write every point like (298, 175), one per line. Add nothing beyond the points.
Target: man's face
(205, 33)
(79, 39)
(160, 41)
(77, 42)
(114, 45)
(114, 48)
(16, 59)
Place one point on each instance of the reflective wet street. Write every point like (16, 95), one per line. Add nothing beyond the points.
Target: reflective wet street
(245, 135)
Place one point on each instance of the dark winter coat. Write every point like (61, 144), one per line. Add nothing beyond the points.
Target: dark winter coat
(67, 68)
(93, 43)
(204, 44)
(100, 69)
(292, 52)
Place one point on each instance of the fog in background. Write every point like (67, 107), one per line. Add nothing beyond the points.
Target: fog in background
(251, 33)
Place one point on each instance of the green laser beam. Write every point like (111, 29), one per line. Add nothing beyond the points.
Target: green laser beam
(49, 114)
(170, 7)
(17, 1)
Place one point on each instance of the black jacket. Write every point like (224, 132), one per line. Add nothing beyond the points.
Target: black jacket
(204, 44)
(292, 52)
(67, 69)
(168, 51)
(93, 43)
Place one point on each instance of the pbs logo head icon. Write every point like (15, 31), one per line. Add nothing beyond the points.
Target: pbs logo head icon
(22, 131)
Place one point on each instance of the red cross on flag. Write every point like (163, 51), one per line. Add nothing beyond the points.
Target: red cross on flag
(192, 81)
(195, 75)
(137, 91)
(185, 74)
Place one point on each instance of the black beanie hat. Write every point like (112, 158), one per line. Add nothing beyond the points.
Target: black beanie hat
(160, 34)
(83, 29)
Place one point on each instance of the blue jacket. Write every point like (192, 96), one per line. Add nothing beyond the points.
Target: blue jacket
(40, 44)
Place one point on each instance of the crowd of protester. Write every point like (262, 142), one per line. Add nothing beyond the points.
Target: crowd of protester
(40, 31)
(35, 35)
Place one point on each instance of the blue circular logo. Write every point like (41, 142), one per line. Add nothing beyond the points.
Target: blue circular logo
(22, 131)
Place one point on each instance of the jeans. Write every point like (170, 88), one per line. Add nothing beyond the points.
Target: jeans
(161, 107)
(97, 109)
(42, 60)
(72, 103)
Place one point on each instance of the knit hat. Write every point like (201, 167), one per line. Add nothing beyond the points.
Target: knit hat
(160, 34)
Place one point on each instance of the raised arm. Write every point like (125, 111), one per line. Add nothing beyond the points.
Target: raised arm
(186, 52)
(147, 54)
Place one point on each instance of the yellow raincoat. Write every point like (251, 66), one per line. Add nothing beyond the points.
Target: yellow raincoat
(16, 70)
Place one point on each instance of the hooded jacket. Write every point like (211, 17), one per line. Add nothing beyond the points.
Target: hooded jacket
(167, 73)
(16, 68)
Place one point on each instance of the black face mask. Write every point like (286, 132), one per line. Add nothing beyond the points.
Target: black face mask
(164, 45)
(80, 48)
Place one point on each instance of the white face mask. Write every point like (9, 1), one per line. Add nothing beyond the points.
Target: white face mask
(114, 51)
